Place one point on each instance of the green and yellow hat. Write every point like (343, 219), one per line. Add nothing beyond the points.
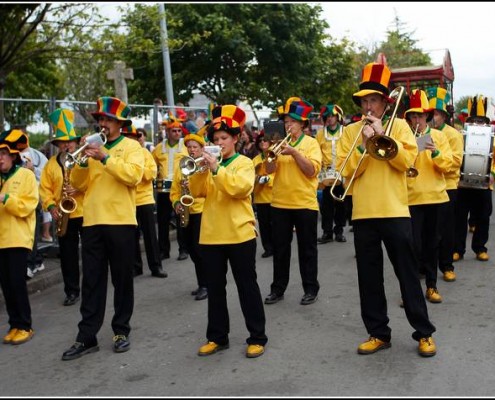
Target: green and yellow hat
(14, 140)
(63, 125)
(439, 98)
(199, 136)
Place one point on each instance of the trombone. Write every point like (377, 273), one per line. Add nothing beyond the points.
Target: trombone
(274, 151)
(72, 159)
(382, 147)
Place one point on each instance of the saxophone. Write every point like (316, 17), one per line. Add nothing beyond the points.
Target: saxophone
(67, 203)
(186, 200)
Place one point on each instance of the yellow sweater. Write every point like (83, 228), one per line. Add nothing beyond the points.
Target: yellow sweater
(328, 144)
(144, 189)
(228, 216)
(379, 189)
(17, 212)
(429, 186)
(262, 193)
(110, 188)
(456, 141)
(291, 188)
(50, 188)
(161, 154)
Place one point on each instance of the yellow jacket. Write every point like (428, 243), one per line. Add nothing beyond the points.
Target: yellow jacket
(17, 211)
(379, 189)
(51, 182)
(144, 189)
(110, 186)
(228, 216)
(262, 193)
(328, 144)
(456, 142)
(429, 187)
(161, 154)
(291, 188)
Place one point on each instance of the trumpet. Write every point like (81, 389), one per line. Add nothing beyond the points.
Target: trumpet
(274, 151)
(381, 148)
(412, 172)
(72, 159)
(189, 165)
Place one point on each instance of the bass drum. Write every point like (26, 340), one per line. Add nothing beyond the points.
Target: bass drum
(478, 154)
(327, 177)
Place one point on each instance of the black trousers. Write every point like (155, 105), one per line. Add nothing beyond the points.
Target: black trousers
(396, 235)
(191, 236)
(242, 258)
(306, 223)
(425, 220)
(35, 257)
(104, 246)
(69, 256)
(13, 264)
(447, 233)
(264, 215)
(164, 213)
(145, 215)
(478, 202)
(333, 212)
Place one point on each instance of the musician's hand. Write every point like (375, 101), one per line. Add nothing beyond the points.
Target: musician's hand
(367, 133)
(210, 161)
(375, 124)
(179, 208)
(430, 145)
(70, 190)
(288, 150)
(55, 213)
(95, 151)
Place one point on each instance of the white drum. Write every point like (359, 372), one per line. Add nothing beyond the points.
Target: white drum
(327, 177)
(478, 153)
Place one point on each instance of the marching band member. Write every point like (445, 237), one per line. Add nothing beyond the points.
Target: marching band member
(54, 187)
(333, 212)
(145, 213)
(195, 143)
(108, 179)
(438, 103)
(167, 155)
(427, 192)
(18, 201)
(262, 195)
(474, 201)
(295, 203)
(381, 214)
(228, 234)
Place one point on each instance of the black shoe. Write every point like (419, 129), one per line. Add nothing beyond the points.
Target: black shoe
(326, 238)
(164, 256)
(273, 298)
(195, 291)
(71, 299)
(267, 254)
(183, 256)
(79, 349)
(201, 294)
(308, 298)
(159, 273)
(121, 344)
(137, 272)
(340, 238)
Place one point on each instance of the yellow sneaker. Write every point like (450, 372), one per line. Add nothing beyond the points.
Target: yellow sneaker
(9, 336)
(482, 256)
(22, 336)
(372, 345)
(456, 257)
(427, 347)
(449, 276)
(433, 296)
(210, 348)
(254, 350)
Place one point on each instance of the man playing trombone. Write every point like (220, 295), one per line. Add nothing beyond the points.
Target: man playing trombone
(381, 214)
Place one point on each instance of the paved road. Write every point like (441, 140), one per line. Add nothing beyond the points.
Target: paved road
(311, 349)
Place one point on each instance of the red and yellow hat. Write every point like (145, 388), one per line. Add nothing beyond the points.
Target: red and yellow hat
(114, 108)
(418, 102)
(229, 118)
(283, 110)
(375, 78)
(199, 136)
(14, 140)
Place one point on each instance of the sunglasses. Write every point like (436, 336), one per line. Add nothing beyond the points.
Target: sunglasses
(176, 130)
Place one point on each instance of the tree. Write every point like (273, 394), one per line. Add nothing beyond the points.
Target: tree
(34, 36)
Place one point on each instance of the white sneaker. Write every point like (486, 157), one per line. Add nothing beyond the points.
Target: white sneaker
(39, 267)
(29, 273)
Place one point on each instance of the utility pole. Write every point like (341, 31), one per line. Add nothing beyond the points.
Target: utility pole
(166, 59)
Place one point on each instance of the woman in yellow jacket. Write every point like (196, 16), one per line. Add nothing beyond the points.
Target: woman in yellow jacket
(18, 201)
(195, 143)
(228, 234)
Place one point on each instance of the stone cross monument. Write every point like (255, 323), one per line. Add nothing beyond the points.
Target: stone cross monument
(119, 74)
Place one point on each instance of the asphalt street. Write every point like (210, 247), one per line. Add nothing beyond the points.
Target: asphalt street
(311, 350)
